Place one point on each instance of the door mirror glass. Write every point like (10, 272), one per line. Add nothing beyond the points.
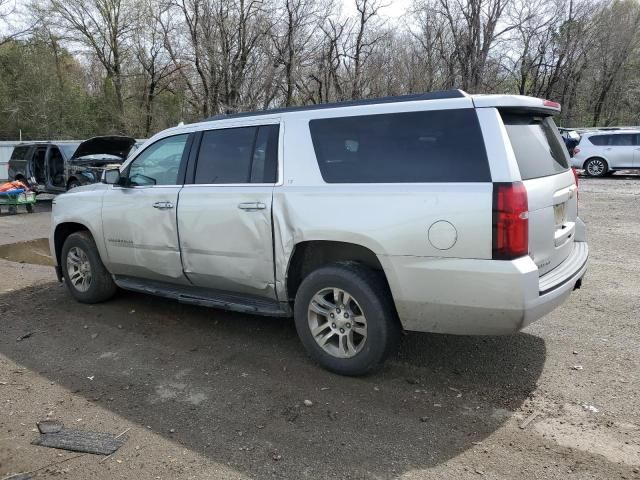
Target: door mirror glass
(111, 177)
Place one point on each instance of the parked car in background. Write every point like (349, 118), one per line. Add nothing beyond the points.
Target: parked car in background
(94, 156)
(55, 167)
(42, 165)
(601, 153)
(358, 219)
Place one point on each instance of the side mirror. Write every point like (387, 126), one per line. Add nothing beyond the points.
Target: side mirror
(111, 177)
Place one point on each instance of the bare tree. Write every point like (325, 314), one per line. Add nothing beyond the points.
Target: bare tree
(104, 27)
(366, 38)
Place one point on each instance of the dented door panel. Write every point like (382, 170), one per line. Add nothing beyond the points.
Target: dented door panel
(142, 240)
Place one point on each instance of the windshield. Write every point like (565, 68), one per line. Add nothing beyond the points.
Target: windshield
(68, 148)
(536, 143)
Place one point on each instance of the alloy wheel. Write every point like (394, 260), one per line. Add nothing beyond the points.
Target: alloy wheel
(337, 322)
(595, 167)
(79, 269)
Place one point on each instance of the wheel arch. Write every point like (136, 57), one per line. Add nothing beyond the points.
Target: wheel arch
(62, 232)
(73, 178)
(312, 254)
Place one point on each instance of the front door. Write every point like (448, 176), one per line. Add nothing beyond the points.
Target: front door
(621, 150)
(224, 214)
(139, 215)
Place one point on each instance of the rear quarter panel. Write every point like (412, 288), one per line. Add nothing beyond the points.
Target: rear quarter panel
(389, 219)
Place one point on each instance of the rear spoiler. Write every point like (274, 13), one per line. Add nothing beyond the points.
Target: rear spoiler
(516, 102)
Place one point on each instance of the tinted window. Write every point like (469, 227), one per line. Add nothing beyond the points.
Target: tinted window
(159, 163)
(434, 146)
(19, 153)
(600, 139)
(238, 155)
(622, 140)
(264, 168)
(225, 155)
(538, 147)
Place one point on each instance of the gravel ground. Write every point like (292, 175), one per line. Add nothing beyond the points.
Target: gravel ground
(208, 394)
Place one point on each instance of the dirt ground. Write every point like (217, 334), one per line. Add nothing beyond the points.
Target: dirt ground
(206, 394)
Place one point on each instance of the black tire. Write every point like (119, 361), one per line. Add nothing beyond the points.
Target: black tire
(29, 208)
(101, 286)
(596, 167)
(73, 183)
(369, 289)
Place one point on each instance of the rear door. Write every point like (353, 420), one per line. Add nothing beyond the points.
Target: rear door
(552, 193)
(224, 213)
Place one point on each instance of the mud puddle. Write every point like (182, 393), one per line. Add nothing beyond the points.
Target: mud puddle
(34, 251)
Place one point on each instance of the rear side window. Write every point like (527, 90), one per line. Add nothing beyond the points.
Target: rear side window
(599, 139)
(431, 146)
(538, 147)
(238, 155)
(19, 153)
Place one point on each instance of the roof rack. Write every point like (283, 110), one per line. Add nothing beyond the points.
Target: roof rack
(437, 95)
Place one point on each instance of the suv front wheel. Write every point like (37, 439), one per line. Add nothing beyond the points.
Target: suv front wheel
(85, 276)
(345, 318)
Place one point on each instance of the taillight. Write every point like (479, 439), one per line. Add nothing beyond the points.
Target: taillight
(549, 103)
(510, 221)
(576, 151)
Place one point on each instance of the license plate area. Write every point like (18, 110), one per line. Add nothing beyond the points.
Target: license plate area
(560, 214)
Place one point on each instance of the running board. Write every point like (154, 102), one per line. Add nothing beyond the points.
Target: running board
(206, 297)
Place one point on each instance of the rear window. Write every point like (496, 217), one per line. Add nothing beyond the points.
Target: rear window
(432, 146)
(538, 147)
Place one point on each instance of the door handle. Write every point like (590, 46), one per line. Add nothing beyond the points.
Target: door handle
(250, 206)
(163, 205)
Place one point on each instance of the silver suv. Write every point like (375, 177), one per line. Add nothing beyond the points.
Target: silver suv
(441, 212)
(601, 152)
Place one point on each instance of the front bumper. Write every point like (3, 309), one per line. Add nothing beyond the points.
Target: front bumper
(479, 297)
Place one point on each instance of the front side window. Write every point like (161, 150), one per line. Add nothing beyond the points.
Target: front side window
(158, 164)
(238, 155)
(427, 146)
(623, 140)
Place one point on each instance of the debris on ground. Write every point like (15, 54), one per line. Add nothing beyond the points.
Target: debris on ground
(576, 367)
(528, 420)
(590, 408)
(54, 435)
(49, 426)
(308, 403)
(19, 476)
(25, 336)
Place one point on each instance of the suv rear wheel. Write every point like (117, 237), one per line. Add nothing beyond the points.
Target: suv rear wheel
(345, 318)
(85, 275)
(596, 167)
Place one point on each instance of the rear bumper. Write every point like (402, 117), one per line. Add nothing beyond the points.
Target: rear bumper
(478, 297)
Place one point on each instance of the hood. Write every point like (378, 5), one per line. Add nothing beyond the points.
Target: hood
(109, 147)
